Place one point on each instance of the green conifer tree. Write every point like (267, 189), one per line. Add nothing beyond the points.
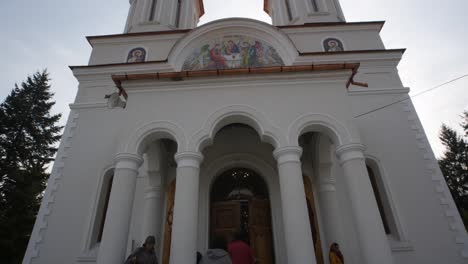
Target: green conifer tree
(28, 134)
(454, 165)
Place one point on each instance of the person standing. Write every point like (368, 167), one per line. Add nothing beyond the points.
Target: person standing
(336, 257)
(217, 254)
(145, 254)
(240, 251)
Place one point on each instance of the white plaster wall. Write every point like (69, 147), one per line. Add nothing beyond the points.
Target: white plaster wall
(116, 50)
(310, 39)
(392, 135)
(389, 136)
(305, 39)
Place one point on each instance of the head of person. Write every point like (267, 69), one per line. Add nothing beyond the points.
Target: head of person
(219, 243)
(150, 241)
(335, 247)
(241, 235)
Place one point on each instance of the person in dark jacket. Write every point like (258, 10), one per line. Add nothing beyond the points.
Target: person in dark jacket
(145, 254)
(199, 257)
(218, 253)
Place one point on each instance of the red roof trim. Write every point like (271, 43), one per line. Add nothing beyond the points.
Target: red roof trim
(138, 34)
(301, 54)
(335, 24)
(202, 8)
(321, 53)
(266, 6)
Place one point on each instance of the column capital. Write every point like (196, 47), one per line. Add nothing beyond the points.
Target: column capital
(350, 152)
(188, 159)
(288, 154)
(128, 161)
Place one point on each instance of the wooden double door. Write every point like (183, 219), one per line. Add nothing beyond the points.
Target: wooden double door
(253, 216)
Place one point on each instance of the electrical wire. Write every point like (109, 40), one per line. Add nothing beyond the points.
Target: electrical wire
(416, 95)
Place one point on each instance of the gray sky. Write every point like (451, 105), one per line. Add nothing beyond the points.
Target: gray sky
(39, 34)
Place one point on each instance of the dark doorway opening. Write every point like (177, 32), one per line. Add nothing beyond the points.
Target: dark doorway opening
(240, 201)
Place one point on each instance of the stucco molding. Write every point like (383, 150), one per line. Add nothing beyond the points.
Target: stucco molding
(90, 105)
(441, 189)
(315, 122)
(383, 91)
(53, 184)
(233, 26)
(236, 114)
(150, 132)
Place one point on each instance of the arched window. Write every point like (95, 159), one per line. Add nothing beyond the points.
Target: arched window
(178, 12)
(384, 202)
(379, 197)
(314, 5)
(288, 9)
(102, 206)
(153, 9)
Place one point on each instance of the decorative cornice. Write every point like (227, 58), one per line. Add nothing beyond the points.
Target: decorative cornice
(372, 91)
(379, 24)
(78, 106)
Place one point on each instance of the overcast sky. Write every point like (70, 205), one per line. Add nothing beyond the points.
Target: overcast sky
(39, 34)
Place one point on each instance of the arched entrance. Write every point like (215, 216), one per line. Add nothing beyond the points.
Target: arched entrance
(240, 201)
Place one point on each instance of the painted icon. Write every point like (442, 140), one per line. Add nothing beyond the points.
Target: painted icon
(136, 55)
(333, 45)
(230, 52)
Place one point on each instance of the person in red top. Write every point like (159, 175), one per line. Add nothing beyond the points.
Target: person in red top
(240, 251)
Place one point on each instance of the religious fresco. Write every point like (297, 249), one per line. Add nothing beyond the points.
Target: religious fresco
(230, 52)
(333, 45)
(136, 55)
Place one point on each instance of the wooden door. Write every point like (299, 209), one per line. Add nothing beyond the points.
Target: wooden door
(168, 222)
(225, 219)
(313, 220)
(261, 239)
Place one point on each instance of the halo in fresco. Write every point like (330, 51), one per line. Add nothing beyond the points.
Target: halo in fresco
(231, 52)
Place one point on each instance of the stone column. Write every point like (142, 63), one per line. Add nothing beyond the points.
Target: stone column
(371, 235)
(329, 204)
(116, 227)
(185, 221)
(299, 243)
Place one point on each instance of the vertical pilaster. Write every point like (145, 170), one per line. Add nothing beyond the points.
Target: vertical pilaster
(329, 204)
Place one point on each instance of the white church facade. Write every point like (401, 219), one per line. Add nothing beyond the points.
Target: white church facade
(186, 133)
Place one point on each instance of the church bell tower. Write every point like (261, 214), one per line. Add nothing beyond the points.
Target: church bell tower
(162, 15)
(298, 12)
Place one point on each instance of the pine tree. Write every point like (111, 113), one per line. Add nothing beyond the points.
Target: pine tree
(28, 134)
(454, 165)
